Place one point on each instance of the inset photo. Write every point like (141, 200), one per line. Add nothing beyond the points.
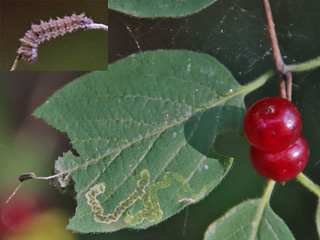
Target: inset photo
(54, 35)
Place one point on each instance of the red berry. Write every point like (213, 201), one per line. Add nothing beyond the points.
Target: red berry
(282, 165)
(272, 124)
(15, 214)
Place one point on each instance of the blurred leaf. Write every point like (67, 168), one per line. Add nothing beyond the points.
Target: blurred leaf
(24, 156)
(48, 225)
(318, 218)
(144, 131)
(163, 8)
(240, 223)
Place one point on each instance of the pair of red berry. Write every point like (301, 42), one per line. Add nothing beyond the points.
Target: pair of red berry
(273, 127)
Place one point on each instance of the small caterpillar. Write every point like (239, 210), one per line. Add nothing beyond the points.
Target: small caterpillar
(46, 31)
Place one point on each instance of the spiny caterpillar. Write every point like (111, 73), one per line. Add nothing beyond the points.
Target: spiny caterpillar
(46, 31)
(151, 211)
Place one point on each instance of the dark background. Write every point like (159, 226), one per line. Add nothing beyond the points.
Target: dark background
(233, 31)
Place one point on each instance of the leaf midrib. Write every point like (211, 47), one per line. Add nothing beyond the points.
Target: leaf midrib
(242, 90)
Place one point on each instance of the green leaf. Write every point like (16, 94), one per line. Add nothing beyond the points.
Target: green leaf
(156, 8)
(240, 223)
(318, 218)
(144, 131)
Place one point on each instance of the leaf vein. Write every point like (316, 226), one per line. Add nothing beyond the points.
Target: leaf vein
(140, 160)
(236, 93)
(85, 189)
(121, 96)
(271, 228)
(139, 122)
(202, 158)
(181, 146)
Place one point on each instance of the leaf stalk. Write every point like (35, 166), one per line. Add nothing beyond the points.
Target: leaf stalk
(305, 181)
(264, 202)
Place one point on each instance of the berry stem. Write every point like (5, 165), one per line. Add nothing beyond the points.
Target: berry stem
(305, 181)
(282, 85)
(277, 57)
(264, 202)
(289, 85)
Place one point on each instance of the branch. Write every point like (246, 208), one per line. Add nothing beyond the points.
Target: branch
(277, 57)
